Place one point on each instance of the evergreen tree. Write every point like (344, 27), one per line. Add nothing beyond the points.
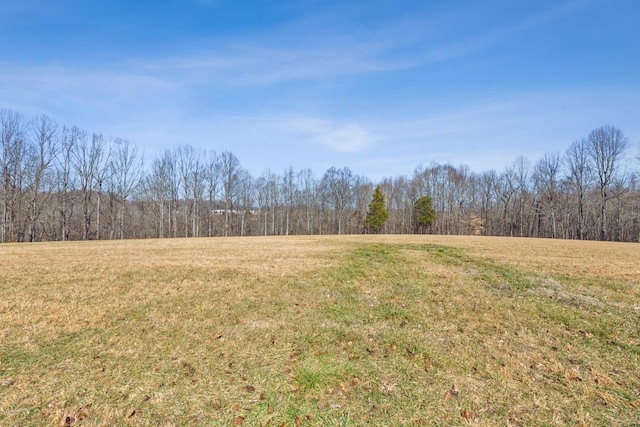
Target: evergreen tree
(377, 213)
(423, 214)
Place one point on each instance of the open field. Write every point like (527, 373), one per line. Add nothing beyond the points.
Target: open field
(353, 330)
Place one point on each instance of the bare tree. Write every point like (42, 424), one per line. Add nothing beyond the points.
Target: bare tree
(546, 175)
(42, 152)
(522, 168)
(362, 194)
(213, 188)
(338, 183)
(103, 154)
(12, 158)
(157, 189)
(274, 197)
(607, 145)
(504, 188)
(246, 197)
(230, 169)
(288, 192)
(198, 183)
(186, 157)
(126, 169)
(579, 175)
(307, 185)
(173, 182)
(262, 197)
(89, 164)
(66, 177)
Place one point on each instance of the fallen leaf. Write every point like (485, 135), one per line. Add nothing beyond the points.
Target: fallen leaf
(239, 420)
(607, 398)
(452, 393)
(469, 416)
(387, 386)
(188, 369)
(67, 421)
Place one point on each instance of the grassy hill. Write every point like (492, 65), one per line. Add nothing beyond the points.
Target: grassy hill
(379, 330)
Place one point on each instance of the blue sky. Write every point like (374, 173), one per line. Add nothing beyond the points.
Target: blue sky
(379, 85)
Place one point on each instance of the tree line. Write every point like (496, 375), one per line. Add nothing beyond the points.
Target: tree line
(64, 183)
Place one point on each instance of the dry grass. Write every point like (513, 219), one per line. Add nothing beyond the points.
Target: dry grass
(379, 330)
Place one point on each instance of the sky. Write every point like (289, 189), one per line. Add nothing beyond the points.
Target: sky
(380, 86)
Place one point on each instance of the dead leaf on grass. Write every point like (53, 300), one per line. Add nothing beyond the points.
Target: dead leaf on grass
(67, 421)
(452, 393)
(469, 416)
(188, 370)
(7, 383)
(607, 399)
(387, 386)
(586, 334)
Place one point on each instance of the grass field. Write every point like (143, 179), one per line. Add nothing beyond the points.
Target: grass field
(357, 330)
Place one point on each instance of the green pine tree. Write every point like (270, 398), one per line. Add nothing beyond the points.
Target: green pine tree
(423, 214)
(377, 213)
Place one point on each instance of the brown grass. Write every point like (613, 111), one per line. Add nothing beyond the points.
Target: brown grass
(379, 330)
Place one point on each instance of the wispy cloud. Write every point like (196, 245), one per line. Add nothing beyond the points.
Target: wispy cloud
(291, 53)
(338, 137)
(86, 97)
(254, 63)
(478, 42)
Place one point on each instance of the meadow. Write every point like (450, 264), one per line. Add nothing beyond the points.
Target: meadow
(332, 330)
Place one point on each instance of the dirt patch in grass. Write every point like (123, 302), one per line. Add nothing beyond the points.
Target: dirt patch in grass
(378, 330)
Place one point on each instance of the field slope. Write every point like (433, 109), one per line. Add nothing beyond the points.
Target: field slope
(357, 330)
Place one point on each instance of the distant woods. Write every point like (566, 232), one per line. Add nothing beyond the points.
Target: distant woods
(64, 183)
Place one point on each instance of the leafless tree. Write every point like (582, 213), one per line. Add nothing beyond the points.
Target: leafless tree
(546, 175)
(12, 163)
(362, 194)
(89, 163)
(338, 184)
(607, 145)
(307, 184)
(157, 190)
(246, 197)
(193, 174)
(288, 193)
(579, 176)
(213, 170)
(126, 169)
(229, 170)
(41, 154)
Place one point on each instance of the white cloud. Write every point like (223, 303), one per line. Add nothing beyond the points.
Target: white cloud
(338, 137)
(261, 64)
